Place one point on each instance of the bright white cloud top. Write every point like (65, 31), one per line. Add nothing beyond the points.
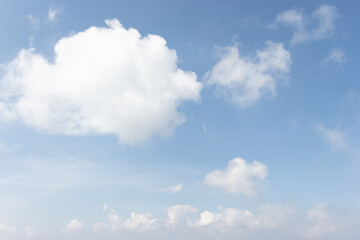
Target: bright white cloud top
(245, 80)
(105, 80)
(238, 177)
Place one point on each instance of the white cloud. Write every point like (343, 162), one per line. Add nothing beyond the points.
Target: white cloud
(172, 189)
(137, 221)
(113, 217)
(325, 16)
(266, 216)
(247, 79)
(336, 138)
(238, 177)
(74, 226)
(335, 56)
(322, 223)
(108, 80)
(228, 217)
(177, 213)
(142, 221)
(53, 13)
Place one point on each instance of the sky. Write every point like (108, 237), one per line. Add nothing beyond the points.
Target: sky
(179, 120)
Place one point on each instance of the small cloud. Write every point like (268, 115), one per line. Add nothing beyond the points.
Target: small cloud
(245, 80)
(142, 221)
(53, 13)
(336, 138)
(325, 16)
(172, 189)
(239, 177)
(137, 221)
(335, 56)
(74, 226)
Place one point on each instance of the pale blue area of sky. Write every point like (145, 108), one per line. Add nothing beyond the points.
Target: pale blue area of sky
(279, 131)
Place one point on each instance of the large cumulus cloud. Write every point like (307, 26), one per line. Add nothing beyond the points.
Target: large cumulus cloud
(105, 80)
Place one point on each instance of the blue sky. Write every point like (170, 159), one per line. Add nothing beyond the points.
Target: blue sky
(179, 120)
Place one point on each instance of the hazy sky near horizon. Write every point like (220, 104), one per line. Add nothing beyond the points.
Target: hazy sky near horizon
(179, 120)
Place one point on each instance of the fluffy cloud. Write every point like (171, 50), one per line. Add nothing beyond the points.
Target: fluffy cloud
(74, 226)
(114, 220)
(105, 80)
(178, 212)
(141, 221)
(246, 79)
(335, 56)
(325, 16)
(238, 177)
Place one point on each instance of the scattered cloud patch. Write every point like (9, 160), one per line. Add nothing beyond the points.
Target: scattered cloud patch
(74, 226)
(244, 79)
(266, 216)
(335, 56)
(142, 221)
(303, 31)
(136, 221)
(239, 177)
(105, 80)
(178, 213)
(336, 138)
(113, 218)
(321, 223)
(172, 189)
(52, 14)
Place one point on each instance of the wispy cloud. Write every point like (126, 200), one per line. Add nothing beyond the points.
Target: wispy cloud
(335, 56)
(35, 21)
(52, 14)
(172, 189)
(336, 138)
(304, 27)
